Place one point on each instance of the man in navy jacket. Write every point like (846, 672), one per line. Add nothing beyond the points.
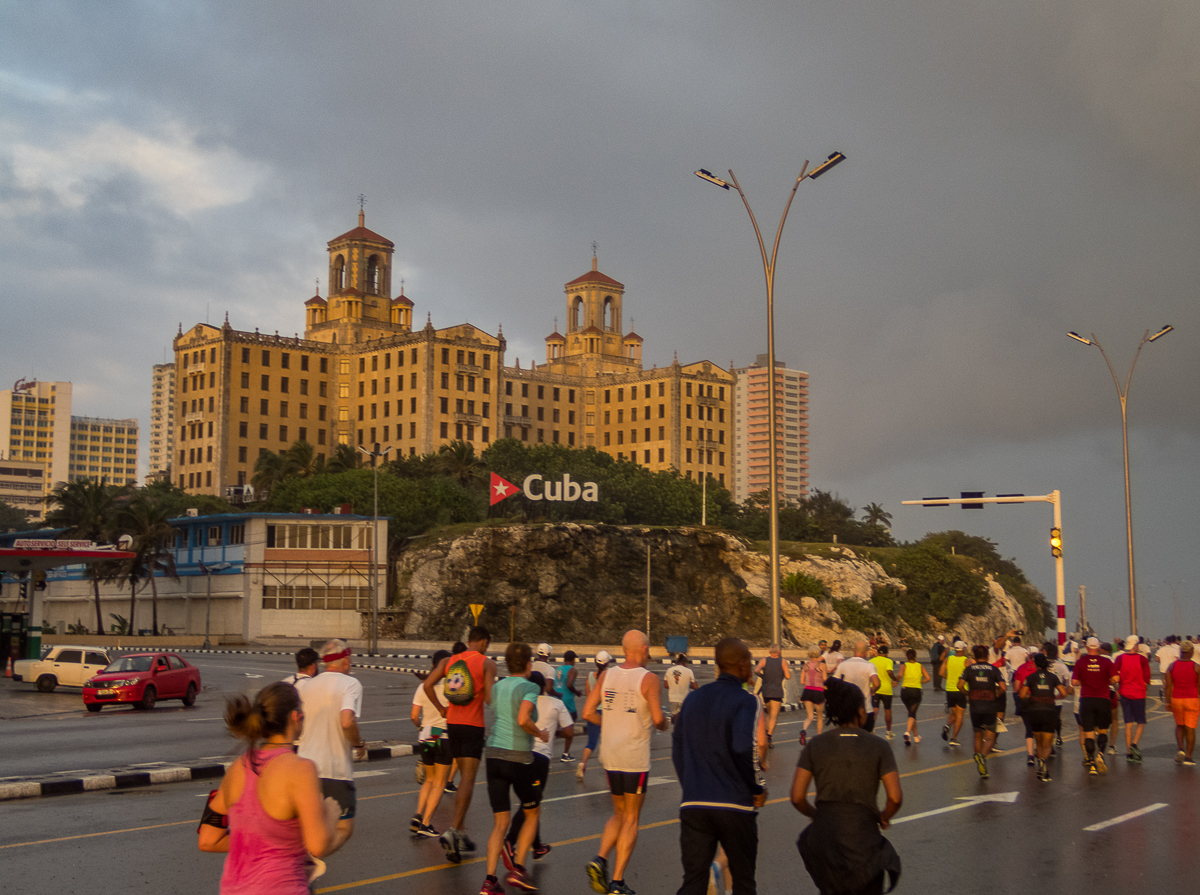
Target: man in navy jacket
(714, 748)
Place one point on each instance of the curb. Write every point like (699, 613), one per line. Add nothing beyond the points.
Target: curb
(142, 775)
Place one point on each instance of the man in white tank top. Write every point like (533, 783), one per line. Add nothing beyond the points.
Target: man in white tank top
(632, 702)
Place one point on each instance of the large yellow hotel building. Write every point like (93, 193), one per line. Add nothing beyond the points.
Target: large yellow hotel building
(361, 374)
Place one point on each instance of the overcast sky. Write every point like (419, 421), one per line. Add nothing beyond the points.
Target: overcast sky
(1016, 170)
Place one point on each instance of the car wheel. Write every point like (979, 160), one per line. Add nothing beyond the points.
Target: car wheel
(94, 706)
(149, 697)
(190, 697)
(46, 683)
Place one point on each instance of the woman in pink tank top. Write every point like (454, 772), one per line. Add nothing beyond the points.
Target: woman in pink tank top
(268, 814)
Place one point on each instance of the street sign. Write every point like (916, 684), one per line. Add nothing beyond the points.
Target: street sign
(476, 608)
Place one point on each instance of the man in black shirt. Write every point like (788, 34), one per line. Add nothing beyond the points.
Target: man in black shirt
(984, 685)
(937, 652)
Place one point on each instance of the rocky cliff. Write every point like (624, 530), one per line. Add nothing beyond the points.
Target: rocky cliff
(587, 584)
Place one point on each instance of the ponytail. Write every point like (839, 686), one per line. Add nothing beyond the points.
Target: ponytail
(266, 716)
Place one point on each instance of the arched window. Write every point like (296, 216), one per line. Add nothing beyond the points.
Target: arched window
(373, 274)
(339, 273)
(577, 312)
(609, 322)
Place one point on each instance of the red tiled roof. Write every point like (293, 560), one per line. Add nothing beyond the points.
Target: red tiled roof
(594, 276)
(633, 337)
(316, 300)
(556, 336)
(402, 299)
(362, 233)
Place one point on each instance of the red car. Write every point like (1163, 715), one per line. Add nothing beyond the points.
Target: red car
(143, 679)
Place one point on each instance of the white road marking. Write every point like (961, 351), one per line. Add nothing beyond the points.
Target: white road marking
(964, 802)
(1124, 817)
(382, 721)
(653, 781)
(358, 774)
(194, 720)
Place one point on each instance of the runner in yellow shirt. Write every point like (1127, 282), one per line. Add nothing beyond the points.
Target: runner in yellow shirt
(956, 700)
(886, 669)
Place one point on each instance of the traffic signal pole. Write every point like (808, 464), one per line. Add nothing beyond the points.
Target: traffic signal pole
(1054, 498)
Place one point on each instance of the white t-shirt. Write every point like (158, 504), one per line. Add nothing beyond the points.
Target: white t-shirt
(625, 734)
(679, 682)
(551, 716)
(1167, 653)
(832, 660)
(859, 672)
(430, 716)
(545, 668)
(1016, 656)
(323, 698)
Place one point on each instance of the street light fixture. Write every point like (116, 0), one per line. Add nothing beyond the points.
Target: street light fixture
(1123, 396)
(373, 640)
(769, 273)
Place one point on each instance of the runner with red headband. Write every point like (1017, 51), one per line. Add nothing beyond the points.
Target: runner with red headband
(332, 703)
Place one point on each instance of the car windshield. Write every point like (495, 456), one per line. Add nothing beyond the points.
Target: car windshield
(130, 663)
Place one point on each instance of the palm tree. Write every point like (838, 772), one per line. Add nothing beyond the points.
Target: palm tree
(301, 461)
(87, 509)
(269, 470)
(460, 462)
(344, 457)
(153, 539)
(874, 514)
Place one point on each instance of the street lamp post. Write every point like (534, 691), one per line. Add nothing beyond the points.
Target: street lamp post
(769, 273)
(1123, 396)
(207, 571)
(373, 640)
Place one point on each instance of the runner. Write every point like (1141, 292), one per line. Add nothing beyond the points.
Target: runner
(1133, 672)
(1019, 674)
(434, 748)
(565, 676)
(1167, 653)
(602, 661)
(937, 653)
(552, 719)
(510, 765)
(956, 701)
(680, 682)
(1183, 695)
(858, 671)
(632, 704)
(468, 677)
(912, 676)
(542, 663)
(833, 657)
(773, 670)
(813, 696)
(1063, 673)
(983, 683)
(332, 703)
(1038, 692)
(842, 848)
(885, 668)
(306, 666)
(1093, 673)
(714, 750)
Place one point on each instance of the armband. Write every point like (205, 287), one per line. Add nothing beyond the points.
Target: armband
(212, 818)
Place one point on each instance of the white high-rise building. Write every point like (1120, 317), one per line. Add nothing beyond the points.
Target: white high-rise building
(751, 458)
(162, 421)
(35, 424)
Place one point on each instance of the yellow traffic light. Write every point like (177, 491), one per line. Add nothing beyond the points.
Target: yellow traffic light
(1056, 542)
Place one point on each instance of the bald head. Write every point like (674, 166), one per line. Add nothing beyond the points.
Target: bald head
(636, 648)
(774, 650)
(861, 649)
(733, 657)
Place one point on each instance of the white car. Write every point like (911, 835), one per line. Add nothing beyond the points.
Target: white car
(69, 666)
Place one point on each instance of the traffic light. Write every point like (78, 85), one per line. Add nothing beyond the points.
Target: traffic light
(1056, 542)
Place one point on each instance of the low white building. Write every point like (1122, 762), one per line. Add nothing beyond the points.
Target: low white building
(266, 574)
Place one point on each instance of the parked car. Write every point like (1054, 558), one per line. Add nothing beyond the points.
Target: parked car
(143, 679)
(68, 666)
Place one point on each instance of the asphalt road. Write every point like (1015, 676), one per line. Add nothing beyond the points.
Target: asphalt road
(1034, 836)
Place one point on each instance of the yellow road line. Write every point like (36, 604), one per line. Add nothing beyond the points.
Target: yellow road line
(177, 823)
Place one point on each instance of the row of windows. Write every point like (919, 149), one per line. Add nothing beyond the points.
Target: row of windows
(276, 597)
(461, 356)
(319, 537)
(541, 435)
(541, 413)
(555, 392)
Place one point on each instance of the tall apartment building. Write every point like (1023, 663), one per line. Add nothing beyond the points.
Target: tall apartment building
(752, 431)
(103, 449)
(162, 420)
(23, 485)
(35, 420)
(361, 374)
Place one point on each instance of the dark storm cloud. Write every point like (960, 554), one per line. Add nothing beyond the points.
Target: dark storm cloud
(1016, 170)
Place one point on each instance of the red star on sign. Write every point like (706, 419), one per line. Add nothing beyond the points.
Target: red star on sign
(501, 489)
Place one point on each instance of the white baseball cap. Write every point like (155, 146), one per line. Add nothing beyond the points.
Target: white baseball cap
(543, 649)
(958, 644)
(1131, 641)
(941, 638)
(603, 658)
(1093, 643)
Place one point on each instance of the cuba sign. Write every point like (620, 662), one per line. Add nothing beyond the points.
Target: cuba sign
(535, 487)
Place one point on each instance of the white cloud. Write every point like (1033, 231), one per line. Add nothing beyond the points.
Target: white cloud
(176, 171)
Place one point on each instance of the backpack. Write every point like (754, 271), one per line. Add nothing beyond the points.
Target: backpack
(459, 684)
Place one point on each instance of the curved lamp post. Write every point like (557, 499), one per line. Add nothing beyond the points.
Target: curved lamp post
(769, 272)
(1123, 396)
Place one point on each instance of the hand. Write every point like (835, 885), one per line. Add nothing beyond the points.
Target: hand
(360, 752)
(884, 824)
(761, 798)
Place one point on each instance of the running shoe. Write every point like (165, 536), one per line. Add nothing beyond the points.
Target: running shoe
(491, 888)
(1179, 756)
(509, 856)
(1135, 752)
(540, 851)
(519, 879)
(981, 763)
(579, 773)
(314, 868)
(917, 738)
(803, 737)
(1058, 740)
(907, 739)
(955, 743)
(464, 841)
(450, 846)
(567, 757)
(1129, 756)
(450, 787)
(1001, 727)
(945, 731)
(1112, 750)
(1091, 766)
(1030, 760)
(620, 889)
(415, 826)
(597, 871)
(889, 735)
(1188, 763)
(428, 832)
(1100, 765)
